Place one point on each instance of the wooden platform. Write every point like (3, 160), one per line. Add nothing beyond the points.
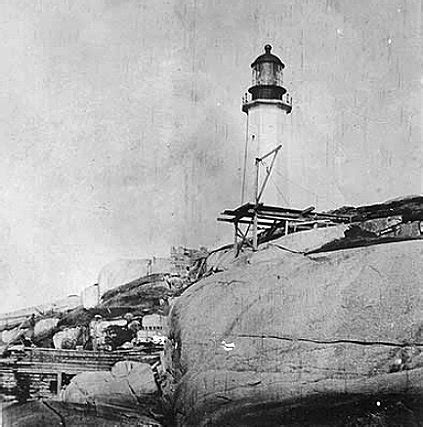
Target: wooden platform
(267, 215)
(274, 221)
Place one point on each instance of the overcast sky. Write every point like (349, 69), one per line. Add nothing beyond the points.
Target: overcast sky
(121, 130)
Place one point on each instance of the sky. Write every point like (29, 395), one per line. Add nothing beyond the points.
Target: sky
(121, 129)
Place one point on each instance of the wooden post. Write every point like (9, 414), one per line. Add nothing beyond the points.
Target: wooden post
(255, 240)
(59, 382)
(286, 227)
(256, 190)
(236, 237)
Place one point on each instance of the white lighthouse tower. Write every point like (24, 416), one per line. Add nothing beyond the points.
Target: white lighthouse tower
(265, 106)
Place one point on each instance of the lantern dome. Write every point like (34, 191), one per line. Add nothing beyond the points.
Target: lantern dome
(267, 57)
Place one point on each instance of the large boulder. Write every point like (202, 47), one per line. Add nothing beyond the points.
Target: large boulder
(310, 240)
(44, 327)
(12, 335)
(129, 384)
(67, 339)
(283, 336)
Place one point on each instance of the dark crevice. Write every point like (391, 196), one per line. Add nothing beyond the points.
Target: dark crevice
(62, 418)
(334, 341)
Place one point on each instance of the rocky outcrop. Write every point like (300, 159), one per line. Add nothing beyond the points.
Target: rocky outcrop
(282, 334)
(146, 294)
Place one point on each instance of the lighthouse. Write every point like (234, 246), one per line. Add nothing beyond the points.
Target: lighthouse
(266, 106)
(265, 212)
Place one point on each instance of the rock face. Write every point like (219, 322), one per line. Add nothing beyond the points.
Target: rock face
(143, 294)
(280, 335)
(53, 413)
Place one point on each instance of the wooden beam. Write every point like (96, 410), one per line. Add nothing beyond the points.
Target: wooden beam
(245, 221)
(268, 170)
(279, 215)
(275, 150)
(280, 209)
(308, 210)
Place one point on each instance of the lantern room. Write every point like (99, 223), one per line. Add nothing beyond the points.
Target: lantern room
(267, 72)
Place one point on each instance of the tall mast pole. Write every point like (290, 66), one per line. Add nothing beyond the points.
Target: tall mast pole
(256, 192)
(245, 161)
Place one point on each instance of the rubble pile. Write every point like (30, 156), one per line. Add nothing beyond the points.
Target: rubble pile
(128, 322)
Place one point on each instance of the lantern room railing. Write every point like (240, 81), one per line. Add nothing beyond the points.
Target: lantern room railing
(285, 102)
